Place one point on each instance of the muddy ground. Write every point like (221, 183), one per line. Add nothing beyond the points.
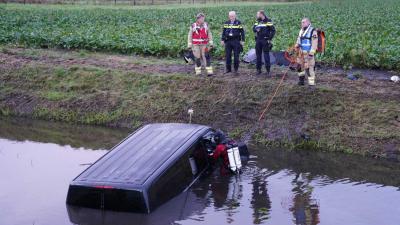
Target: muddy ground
(361, 116)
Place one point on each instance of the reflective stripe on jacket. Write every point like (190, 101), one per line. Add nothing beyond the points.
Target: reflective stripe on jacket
(264, 29)
(233, 31)
(199, 34)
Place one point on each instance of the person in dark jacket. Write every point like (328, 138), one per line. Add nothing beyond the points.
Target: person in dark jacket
(264, 31)
(233, 39)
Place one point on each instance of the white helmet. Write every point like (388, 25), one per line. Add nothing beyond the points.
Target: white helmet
(395, 79)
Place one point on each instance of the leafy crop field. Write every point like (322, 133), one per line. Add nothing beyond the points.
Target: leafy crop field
(363, 33)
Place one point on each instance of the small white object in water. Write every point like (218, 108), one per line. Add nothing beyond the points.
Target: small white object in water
(395, 79)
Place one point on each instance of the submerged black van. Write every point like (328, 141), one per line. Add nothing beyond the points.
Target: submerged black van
(148, 168)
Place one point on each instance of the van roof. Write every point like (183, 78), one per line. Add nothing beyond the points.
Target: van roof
(142, 154)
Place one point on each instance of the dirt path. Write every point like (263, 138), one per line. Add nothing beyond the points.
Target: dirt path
(372, 81)
(16, 59)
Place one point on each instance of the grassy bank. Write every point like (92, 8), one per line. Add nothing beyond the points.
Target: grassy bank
(362, 33)
(128, 91)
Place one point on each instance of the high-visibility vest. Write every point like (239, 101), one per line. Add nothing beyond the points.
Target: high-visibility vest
(305, 39)
(200, 34)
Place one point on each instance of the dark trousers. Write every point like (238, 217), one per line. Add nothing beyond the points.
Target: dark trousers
(261, 47)
(232, 45)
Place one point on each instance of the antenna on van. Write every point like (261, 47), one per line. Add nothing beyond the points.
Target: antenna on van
(190, 112)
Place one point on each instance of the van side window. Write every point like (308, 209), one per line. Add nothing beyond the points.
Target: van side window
(199, 154)
(179, 176)
(172, 182)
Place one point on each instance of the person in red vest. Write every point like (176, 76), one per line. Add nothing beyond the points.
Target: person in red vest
(200, 41)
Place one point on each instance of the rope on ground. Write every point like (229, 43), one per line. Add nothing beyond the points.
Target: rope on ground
(247, 137)
(267, 107)
(291, 55)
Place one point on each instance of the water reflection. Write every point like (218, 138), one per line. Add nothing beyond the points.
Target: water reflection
(89, 137)
(305, 208)
(34, 180)
(328, 168)
(260, 202)
(263, 196)
(276, 186)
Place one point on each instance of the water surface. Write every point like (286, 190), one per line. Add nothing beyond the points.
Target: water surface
(39, 159)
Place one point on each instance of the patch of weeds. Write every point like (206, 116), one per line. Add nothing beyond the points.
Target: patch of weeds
(55, 114)
(347, 66)
(237, 132)
(5, 89)
(60, 72)
(96, 118)
(95, 70)
(5, 112)
(136, 123)
(83, 53)
(348, 150)
(55, 95)
(73, 68)
(5, 50)
(324, 89)
(308, 145)
(31, 52)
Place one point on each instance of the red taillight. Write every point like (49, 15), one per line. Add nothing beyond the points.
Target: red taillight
(104, 187)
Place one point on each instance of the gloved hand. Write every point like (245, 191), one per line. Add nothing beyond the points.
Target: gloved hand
(242, 43)
(268, 46)
(312, 52)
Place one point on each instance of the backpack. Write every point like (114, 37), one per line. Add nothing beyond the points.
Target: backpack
(321, 40)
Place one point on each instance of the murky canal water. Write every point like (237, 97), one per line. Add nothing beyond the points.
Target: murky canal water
(39, 159)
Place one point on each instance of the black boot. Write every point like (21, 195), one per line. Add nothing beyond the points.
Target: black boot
(228, 69)
(258, 71)
(301, 81)
(268, 71)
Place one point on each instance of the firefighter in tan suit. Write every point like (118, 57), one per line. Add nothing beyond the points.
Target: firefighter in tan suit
(307, 41)
(199, 38)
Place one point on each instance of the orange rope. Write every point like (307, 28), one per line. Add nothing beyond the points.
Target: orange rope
(273, 96)
(291, 55)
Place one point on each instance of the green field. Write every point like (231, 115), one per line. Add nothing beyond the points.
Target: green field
(363, 33)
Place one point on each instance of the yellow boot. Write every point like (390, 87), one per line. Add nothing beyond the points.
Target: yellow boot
(311, 76)
(197, 70)
(209, 70)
